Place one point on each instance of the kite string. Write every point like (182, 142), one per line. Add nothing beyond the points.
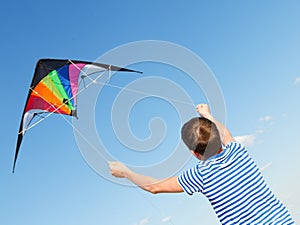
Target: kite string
(128, 89)
(145, 93)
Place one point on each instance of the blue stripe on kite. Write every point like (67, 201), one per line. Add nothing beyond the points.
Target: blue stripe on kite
(63, 74)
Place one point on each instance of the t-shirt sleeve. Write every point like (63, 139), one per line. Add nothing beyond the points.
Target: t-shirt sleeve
(191, 181)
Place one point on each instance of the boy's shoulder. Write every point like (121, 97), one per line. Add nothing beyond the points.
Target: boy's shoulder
(234, 145)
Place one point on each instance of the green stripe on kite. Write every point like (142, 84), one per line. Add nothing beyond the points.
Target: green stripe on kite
(63, 95)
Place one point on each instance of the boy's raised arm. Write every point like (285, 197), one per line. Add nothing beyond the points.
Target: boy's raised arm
(225, 134)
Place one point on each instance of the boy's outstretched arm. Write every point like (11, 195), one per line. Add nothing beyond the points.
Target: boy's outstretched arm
(150, 184)
(225, 134)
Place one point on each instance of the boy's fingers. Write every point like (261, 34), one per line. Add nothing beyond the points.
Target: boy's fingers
(112, 162)
(200, 106)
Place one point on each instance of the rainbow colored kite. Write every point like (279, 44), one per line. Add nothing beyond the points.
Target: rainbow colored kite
(54, 89)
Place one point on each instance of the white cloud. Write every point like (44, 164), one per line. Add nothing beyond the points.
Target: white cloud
(297, 81)
(260, 131)
(166, 219)
(246, 140)
(266, 118)
(144, 221)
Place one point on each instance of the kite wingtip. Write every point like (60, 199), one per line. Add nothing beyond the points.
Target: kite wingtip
(13, 169)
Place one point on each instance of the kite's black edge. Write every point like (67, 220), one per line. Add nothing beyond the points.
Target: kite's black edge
(21, 134)
(107, 66)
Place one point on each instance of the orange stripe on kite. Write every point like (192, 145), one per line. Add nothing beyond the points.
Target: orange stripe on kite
(42, 91)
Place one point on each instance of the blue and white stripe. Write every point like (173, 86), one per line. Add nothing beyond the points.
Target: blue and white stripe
(235, 187)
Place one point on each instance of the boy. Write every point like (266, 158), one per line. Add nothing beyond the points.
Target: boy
(227, 176)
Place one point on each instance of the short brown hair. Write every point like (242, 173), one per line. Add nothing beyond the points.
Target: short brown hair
(202, 136)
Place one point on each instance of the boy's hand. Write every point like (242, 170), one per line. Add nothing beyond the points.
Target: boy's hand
(203, 110)
(118, 169)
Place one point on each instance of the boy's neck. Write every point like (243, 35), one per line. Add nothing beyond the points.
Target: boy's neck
(220, 150)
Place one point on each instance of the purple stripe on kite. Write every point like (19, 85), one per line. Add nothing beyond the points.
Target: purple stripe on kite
(74, 71)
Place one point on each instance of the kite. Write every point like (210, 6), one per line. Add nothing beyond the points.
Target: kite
(54, 89)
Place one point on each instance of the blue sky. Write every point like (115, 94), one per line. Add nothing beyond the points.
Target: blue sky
(251, 47)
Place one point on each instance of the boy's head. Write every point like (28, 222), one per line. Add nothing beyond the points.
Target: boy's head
(202, 137)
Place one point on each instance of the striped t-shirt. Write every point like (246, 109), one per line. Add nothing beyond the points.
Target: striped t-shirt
(235, 187)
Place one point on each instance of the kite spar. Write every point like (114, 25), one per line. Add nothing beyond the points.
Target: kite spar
(54, 89)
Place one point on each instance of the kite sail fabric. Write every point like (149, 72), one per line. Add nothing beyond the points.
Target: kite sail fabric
(54, 89)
